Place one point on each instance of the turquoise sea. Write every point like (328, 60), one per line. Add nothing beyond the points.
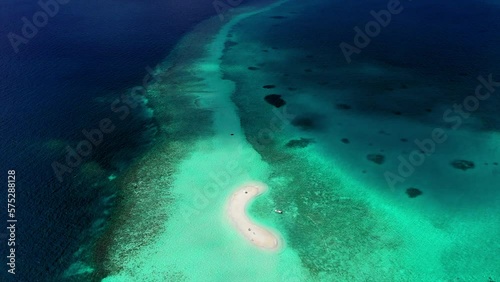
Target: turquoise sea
(374, 124)
(385, 167)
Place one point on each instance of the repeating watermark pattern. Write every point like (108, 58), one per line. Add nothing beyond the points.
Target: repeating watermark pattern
(372, 29)
(39, 20)
(224, 6)
(11, 221)
(94, 137)
(453, 116)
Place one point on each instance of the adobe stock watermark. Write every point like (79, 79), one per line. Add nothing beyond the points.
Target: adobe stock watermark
(223, 6)
(222, 178)
(453, 116)
(372, 29)
(94, 137)
(39, 20)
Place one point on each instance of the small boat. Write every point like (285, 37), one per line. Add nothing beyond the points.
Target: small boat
(278, 211)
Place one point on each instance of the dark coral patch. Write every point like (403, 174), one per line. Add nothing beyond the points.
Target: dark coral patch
(309, 121)
(413, 192)
(462, 164)
(275, 100)
(303, 122)
(269, 86)
(404, 140)
(345, 141)
(230, 43)
(253, 68)
(343, 106)
(299, 143)
(376, 158)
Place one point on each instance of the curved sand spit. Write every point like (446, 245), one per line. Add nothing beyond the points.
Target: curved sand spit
(236, 211)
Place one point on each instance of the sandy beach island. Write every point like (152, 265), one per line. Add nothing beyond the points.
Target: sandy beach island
(237, 213)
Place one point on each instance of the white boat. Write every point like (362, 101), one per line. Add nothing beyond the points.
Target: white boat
(278, 211)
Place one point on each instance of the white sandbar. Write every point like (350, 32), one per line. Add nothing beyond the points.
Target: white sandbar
(236, 211)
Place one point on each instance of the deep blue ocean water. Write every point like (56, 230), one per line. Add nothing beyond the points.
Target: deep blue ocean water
(59, 83)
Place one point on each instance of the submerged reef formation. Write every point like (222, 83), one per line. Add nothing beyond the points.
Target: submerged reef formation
(345, 141)
(299, 143)
(462, 164)
(376, 158)
(342, 106)
(275, 100)
(413, 192)
(309, 121)
(278, 17)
